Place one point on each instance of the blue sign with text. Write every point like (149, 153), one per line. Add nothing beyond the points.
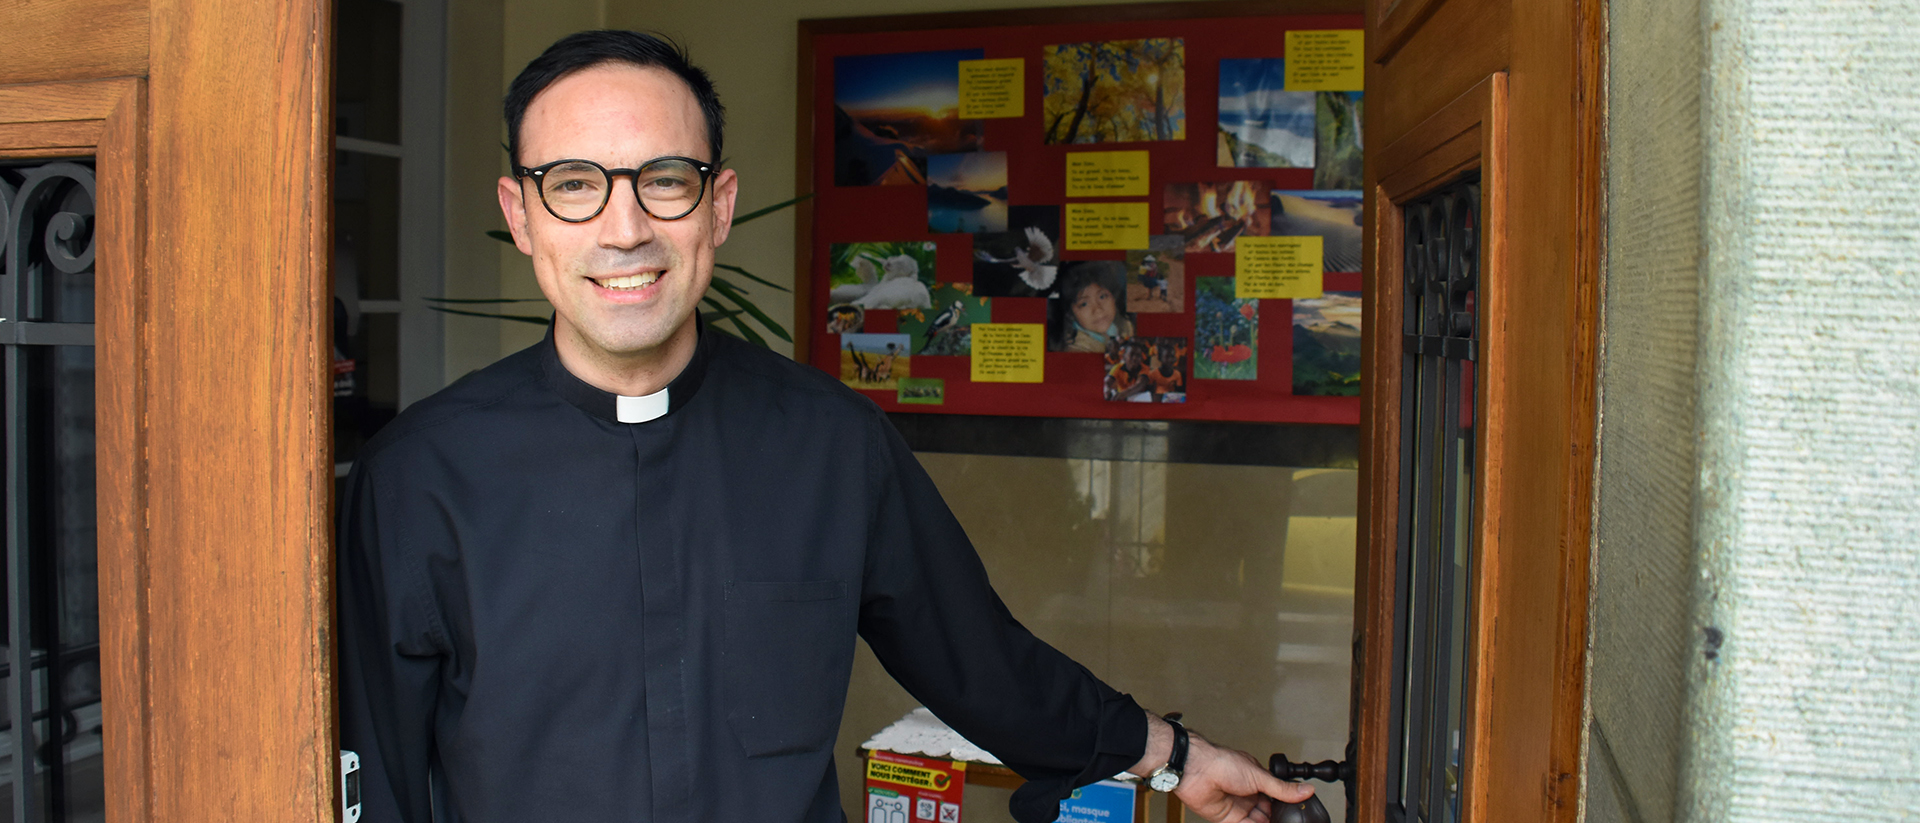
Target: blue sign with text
(1108, 801)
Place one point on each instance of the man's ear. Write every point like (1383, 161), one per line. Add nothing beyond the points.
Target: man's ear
(726, 185)
(513, 206)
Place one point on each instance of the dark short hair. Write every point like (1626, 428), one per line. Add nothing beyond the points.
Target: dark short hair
(587, 49)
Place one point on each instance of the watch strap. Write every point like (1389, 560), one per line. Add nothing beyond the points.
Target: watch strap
(1177, 761)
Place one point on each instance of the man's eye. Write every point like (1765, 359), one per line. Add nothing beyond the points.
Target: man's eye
(572, 186)
(666, 184)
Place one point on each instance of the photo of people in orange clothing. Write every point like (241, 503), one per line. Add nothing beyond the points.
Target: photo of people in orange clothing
(1146, 370)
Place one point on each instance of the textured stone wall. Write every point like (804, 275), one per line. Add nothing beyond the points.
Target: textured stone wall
(1643, 557)
(1806, 654)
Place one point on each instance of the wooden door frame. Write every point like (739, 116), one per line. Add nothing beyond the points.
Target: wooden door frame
(1465, 137)
(105, 120)
(209, 123)
(1511, 87)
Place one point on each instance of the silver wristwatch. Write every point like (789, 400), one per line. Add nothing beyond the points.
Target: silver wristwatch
(1167, 777)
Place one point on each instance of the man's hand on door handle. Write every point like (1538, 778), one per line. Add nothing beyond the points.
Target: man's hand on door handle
(1220, 784)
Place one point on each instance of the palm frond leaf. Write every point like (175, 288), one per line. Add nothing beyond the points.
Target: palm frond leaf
(751, 276)
(746, 331)
(759, 213)
(764, 320)
(518, 318)
(458, 300)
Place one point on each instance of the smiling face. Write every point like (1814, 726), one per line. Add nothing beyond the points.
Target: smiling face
(1093, 308)
(624, 285)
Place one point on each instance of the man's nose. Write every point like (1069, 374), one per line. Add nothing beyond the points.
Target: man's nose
(623, 223)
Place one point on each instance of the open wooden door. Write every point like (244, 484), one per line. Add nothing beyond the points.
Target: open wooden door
(1482, 178)
(194, 140)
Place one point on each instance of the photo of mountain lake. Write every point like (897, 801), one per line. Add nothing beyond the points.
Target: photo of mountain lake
(967, 193)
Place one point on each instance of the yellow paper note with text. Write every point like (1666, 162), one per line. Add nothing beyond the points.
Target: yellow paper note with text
(1277, 267)
(1009, 352)
(1325, 60)
(1096, 226)
(1107, 174)
(992, 88)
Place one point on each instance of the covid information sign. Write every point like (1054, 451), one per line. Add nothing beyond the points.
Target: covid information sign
(906, 789)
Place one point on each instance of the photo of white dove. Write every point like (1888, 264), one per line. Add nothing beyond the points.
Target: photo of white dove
(899, 288)
(1034, 260)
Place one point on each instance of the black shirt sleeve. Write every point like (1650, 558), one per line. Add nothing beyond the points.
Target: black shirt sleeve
(390, 657)
(934, 621)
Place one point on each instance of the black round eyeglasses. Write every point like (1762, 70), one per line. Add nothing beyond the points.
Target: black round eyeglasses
(576, 191)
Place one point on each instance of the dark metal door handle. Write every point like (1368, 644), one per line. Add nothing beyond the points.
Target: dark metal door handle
(1310, 810)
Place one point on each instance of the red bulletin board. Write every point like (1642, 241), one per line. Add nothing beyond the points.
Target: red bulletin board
(1036, 175)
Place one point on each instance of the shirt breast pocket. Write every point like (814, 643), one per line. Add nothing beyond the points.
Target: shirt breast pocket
(789, 648)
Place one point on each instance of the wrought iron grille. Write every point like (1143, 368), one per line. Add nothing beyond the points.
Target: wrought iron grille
(51, 674)
(1437, 469)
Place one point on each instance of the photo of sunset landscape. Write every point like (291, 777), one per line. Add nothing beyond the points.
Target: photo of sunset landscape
(891, 111)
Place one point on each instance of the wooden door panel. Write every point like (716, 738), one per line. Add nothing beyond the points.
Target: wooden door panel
(119, 337)
(237, 411)
(43, 40)
(212, 391)
(1461, 43)
(1436, 64)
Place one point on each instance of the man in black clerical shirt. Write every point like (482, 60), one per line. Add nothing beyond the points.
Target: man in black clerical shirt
(617, 576)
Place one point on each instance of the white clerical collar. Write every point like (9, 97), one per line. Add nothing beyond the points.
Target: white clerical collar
(640, 409)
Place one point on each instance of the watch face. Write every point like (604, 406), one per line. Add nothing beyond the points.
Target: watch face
(1164, 781)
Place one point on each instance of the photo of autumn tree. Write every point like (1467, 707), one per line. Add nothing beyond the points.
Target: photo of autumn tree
(1116, 91)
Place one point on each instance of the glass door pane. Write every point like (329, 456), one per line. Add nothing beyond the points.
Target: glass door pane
(1436, 558)
(50, 740)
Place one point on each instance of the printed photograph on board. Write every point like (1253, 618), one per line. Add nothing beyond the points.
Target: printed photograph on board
(1090, 310)
(1334, 216)
(1337, 140)
(1157, 276)
(1226, 332)
(967, 193)
(947, 328)
(874, 361)
(1326, 345)
(926, 391)
(1146, 370)
(1208, 216)
(892, 111)
(1262, 125)
(1022, 261)
(1116, 91)
(870, 276)
(843, 318)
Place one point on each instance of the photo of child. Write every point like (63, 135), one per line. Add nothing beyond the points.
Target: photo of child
(1090, 309)
(1146, 370)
